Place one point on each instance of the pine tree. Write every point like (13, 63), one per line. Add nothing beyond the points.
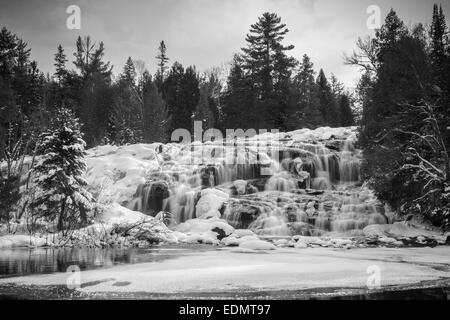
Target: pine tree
(437, 34)
(60, 65)
(304, 112)
(162, 63)
(269, 68)
(22, 89)
(345, 111)
(155, 114)
(327, 106)
(62, 192)
(203, 110)
(337, 88)
(238, 96)
(181, 93)
(92, 89)
(129, 72)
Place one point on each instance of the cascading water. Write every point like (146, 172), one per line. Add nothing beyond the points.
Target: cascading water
(308, 186)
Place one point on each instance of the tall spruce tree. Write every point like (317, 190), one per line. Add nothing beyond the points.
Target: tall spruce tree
(181, 93)
(62, 193)
(92, 89)
(304, 111)
(162, 64)
(155, 114)
(327, 103)
(60, 65)
(239, 95)
(269, 67)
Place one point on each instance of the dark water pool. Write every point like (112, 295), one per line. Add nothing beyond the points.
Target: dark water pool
(17, 262)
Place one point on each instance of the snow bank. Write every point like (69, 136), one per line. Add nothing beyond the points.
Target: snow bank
(257, 245)
(16, 241)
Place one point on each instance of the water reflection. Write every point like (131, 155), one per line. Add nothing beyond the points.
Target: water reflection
(15, 262)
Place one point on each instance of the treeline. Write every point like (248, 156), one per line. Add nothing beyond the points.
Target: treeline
(265, 88)
(46, 120)
(404, 131)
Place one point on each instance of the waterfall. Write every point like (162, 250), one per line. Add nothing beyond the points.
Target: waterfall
(308, 186)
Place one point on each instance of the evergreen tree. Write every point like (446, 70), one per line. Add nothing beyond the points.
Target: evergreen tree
(62, 193)
(327, 103)
(92, 89)
(155, 114)
(128, 74)
(203, 110)
(60, 66)
(22, 92)
(162, 64)
(304, 111)
(269, 67)
(238, 96)
(345, 111)
(181, 93)
(438, 32)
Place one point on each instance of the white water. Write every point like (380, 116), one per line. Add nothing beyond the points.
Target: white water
(313, 185)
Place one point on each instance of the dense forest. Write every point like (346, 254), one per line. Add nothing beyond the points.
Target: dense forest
(403, 95)
(404, 128)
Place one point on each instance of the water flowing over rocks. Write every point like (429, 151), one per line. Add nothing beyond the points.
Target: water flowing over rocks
(297, 189)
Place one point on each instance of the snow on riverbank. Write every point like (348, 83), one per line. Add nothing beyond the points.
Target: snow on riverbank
(19, 241)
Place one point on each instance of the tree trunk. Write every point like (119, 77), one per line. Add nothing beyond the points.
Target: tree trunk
(62, 215)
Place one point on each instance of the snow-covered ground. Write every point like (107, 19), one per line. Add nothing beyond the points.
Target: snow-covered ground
(229, 271)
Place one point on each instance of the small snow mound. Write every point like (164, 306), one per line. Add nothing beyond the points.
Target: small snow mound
(116, 214)
(257, 245)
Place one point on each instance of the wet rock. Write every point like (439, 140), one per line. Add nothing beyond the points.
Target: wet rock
(152, 195)
(220, 233)
(314, 192)
(209, 176)
(333, 145)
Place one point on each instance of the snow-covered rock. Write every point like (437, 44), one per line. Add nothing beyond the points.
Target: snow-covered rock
(211, 200)
(399, 230)
(114, 172)
(204, 226)
(240, 186)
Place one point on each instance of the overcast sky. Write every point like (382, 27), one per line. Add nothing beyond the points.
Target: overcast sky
(204, 33)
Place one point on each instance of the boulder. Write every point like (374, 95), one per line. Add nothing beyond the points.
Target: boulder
(210, 203)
